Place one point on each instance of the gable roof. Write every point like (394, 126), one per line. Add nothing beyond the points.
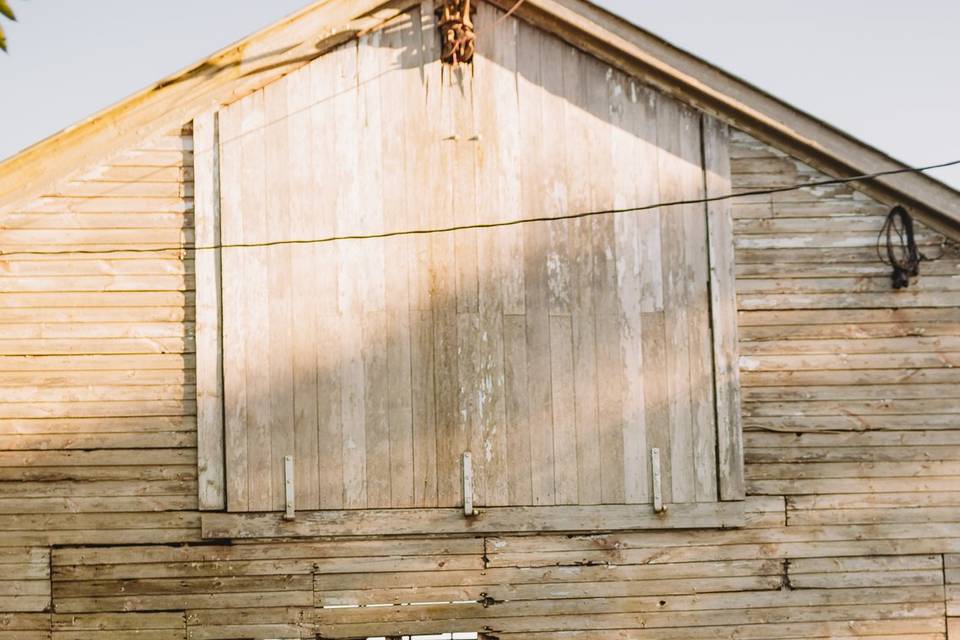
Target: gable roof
(311, 32)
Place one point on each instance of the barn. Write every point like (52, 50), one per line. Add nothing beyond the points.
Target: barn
(474, 319)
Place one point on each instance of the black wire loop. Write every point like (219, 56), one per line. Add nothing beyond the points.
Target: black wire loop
(897, 247)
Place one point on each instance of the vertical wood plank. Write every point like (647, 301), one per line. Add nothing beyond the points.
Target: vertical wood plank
(495, 139)
(460, 142)
(467, 435)
(253, 202)
(329, 347)
(372, 271)
(375, 397)
(534, 121)
(452, 439)
(701, 347)
(601, 81)
(512, 445)
(553, 165)
(723, 311)
(234, 305)
(280, 358)
(517, 410)
(631, 177)
(353, 382)
(504, 81)
(396, 215)
(655, 396)
(424, 409)
(652, 319)
(648, 192)
(564, 409)
(643, 124)
(482, 136)
(673, 181)
(210, 434)
(473, 397)
(583, 304)
(304, 289)
(422, 105)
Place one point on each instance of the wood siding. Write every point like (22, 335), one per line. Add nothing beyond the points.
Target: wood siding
(852, 441)
(97, 409)
(557, 353)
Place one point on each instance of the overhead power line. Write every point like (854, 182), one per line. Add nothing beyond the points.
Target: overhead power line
(489, 225)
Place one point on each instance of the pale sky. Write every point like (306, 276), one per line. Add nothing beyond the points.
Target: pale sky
(882, 70)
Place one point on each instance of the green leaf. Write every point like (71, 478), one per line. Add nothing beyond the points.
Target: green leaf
(6, 10)
(3, 41)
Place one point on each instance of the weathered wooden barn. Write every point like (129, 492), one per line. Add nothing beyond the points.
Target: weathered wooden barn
(242, 396)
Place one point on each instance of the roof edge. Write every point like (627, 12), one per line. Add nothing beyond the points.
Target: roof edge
(301, 37)
(223, 77)
(730, 99)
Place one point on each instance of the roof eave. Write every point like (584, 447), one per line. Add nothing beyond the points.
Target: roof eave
(740, 104)
(291, 43)
(222, 78)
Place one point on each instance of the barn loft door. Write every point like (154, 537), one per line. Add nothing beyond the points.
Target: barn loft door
(559, 354)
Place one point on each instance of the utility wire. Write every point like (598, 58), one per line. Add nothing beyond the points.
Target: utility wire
(489, 225)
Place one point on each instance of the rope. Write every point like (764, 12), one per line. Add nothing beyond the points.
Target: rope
(459, 35)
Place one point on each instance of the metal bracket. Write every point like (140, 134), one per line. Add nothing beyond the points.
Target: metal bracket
(290, 513)
(658, 505)
(467, 461)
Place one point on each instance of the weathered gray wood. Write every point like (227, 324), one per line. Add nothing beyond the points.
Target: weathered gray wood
(410, 367)
(326, 352)
(210, 434)
(723, 316)
(234, 307)
(279, 365)
(255, 285)
(850, 401)
(675, 140)
(304, 205)
(289, 489)
(657, 478)
(487, 520)
(538, 116)
(397, 260)
(467, 475)
(422, 197)
(635, 126)
(497, 150)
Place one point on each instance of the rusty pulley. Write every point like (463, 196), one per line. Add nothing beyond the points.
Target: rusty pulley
(455, 22)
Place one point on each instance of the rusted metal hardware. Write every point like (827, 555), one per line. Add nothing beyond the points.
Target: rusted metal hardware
(455, 22)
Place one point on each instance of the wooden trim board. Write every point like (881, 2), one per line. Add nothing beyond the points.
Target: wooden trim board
(723, 311)
(380, 522)
(210, 433)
